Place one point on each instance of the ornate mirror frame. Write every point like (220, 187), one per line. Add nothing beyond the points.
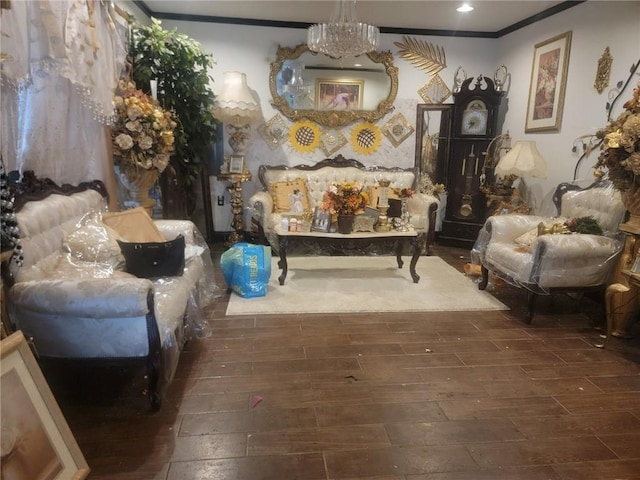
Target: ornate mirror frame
(332, 118)
(432, 159)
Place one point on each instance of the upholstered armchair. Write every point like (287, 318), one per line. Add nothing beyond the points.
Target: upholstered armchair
(539, 254)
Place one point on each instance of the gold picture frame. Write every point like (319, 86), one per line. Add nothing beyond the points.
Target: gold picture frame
(548, 84)
(332, 140)
(30, 414)
(398, 129)
(338, 94)
(274, 132)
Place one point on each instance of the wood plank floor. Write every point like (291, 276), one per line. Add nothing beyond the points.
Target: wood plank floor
(396, 396)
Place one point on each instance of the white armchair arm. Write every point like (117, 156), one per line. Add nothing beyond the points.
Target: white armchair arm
(573, 259)
(90, 298)
(506, 228)
(261, 205)
(421, 208)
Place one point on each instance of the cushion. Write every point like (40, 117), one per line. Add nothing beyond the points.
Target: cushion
(290, 196)
(527, 238)
(133, 225)
(95, 242)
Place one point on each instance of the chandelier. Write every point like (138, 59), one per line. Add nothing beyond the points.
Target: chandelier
(343, 36)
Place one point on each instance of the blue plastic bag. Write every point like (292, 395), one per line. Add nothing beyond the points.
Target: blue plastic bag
(247, 269)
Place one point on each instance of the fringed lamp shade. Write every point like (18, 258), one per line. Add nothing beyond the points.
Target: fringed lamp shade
(235, 105)
(523, 160)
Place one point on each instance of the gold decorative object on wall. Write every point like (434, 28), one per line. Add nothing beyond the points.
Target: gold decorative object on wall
(304, 136)
(423, 55)
(604, 71)
(366, 138)
(398, 129)
(380, 65)
(274, 131)
(331, 141)
(435, 90)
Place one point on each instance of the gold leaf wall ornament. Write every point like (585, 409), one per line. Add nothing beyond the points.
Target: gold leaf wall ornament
(604, 71)
(423, 55)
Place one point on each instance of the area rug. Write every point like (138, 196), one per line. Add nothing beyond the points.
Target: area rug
(365, 284)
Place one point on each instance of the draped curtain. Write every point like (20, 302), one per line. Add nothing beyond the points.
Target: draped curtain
(60, 63)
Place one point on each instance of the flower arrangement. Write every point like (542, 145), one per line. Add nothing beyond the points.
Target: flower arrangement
(142, 134)
(620, 147)
(345, 198)
(404, 192)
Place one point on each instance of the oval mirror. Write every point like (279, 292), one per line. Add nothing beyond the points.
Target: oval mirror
(332, 92)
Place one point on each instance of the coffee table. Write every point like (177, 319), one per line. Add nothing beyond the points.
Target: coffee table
(413, 237)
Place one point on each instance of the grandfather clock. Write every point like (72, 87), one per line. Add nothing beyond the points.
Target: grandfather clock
(475, 119)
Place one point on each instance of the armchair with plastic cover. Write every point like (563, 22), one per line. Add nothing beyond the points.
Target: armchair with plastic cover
(515, 249)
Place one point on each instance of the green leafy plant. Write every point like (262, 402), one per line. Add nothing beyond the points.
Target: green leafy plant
(180, 67)
(584, 225)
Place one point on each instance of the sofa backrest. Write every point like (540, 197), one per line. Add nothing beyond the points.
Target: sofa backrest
(322, 175)
(44, 224)
(46, 213)
(600, 201)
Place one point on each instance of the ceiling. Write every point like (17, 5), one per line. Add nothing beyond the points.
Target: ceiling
(489, 18)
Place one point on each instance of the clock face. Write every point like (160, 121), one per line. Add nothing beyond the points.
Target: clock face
(474, 119)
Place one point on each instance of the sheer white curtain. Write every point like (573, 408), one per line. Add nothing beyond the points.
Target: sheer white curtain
(61, 63)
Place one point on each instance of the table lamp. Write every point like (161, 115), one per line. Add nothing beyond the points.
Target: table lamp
(523, 160)
(236, 106)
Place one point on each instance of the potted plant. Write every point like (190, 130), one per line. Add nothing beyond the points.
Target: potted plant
(344, 201)
(181, 69)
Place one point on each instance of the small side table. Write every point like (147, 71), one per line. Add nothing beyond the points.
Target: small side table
(235, 181)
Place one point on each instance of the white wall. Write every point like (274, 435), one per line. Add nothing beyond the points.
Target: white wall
(595, 25)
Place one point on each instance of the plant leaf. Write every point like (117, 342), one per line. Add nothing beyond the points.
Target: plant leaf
(423, 55)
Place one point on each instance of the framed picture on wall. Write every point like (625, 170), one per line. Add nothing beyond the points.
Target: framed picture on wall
(548, 84)
(31, 417)
(337, 94)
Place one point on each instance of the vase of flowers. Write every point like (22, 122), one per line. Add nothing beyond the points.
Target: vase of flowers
(345, 200)
(142, 140)
(620, 154)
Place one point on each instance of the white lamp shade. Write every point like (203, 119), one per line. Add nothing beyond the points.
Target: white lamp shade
(523, 160)
(235, 103)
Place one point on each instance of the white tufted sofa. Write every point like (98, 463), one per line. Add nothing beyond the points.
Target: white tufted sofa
(322, 175)
(554, 262)
(86, 313)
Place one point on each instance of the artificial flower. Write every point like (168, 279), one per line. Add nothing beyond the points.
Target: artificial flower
(143, 133)
(620, 147)
(345, 198)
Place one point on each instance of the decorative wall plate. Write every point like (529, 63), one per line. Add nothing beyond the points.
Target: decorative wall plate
(331, 141)
(274, 131)
(366, 138)
(435, 90)
(304, 136)
(397, 129)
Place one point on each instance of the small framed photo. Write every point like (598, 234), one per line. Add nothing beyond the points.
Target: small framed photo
(236, 163)
(321, 220)
(31, 417)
